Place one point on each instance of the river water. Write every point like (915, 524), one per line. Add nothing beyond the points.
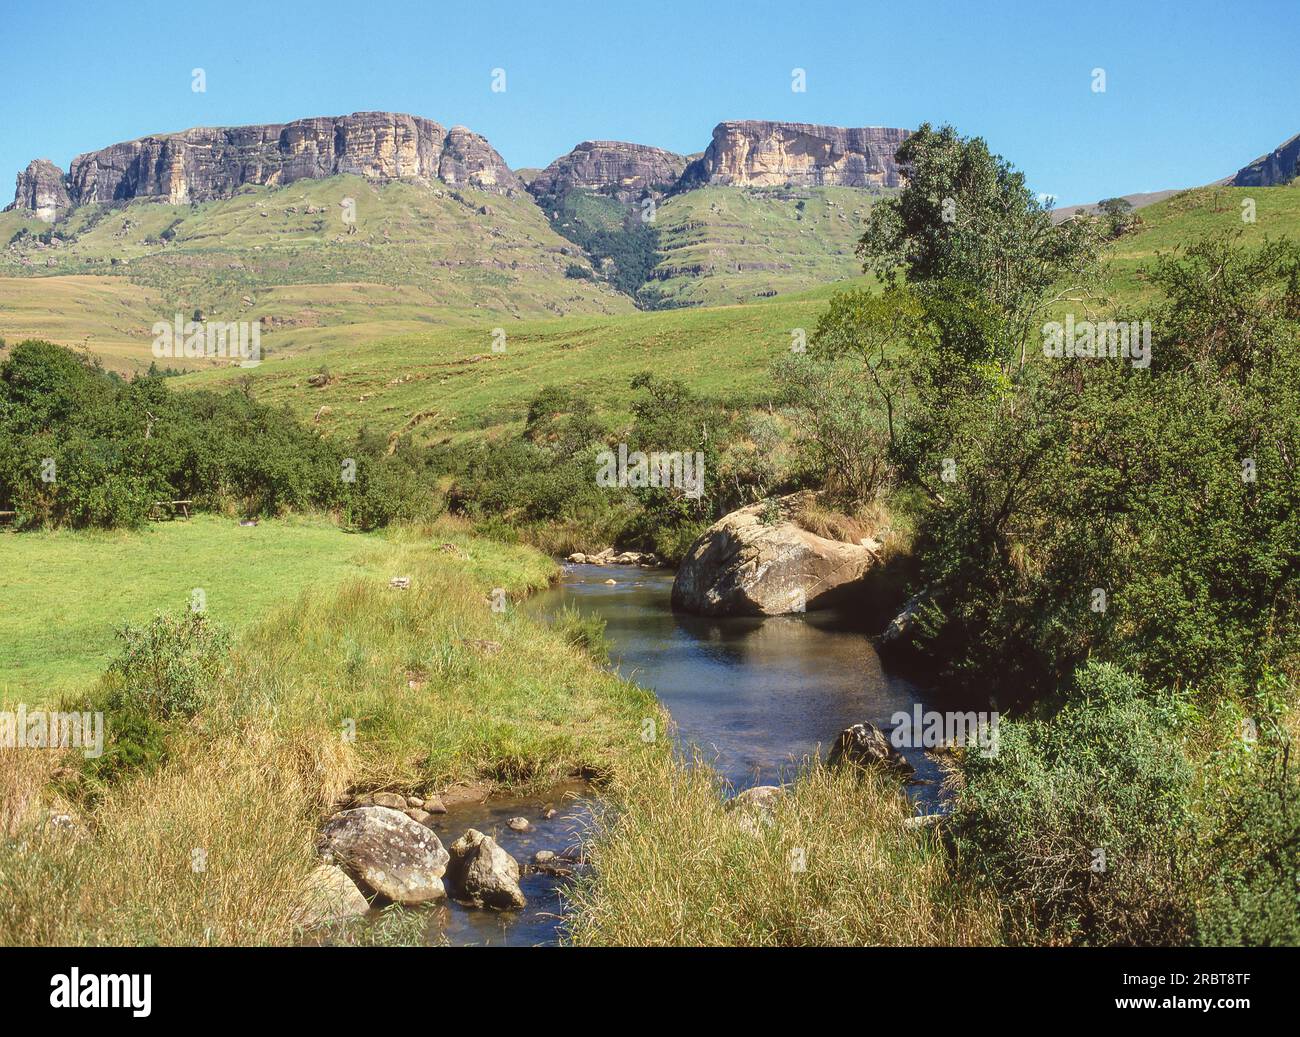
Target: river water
(755, 696)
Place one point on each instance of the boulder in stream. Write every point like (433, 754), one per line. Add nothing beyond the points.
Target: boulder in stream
(865, 745)
(388, 852)
(483, 874)
(758, 561)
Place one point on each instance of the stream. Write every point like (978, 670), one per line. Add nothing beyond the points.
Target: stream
(755, 696)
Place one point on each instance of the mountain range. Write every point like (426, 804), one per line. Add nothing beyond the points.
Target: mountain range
(378, 223)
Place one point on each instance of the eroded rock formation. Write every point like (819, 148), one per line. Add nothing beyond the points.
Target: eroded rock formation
(207, 163)
(624, 170)
(1280, 166)
(755, 153)
(41, 189)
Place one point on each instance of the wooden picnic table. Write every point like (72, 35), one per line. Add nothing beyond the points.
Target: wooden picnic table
(184, 505)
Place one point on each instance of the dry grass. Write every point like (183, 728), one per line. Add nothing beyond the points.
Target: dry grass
(672, 867)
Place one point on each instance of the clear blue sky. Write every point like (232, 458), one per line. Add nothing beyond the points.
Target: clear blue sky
(1195, 89)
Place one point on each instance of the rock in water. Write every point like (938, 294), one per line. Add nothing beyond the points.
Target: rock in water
(393, 855)
(483, 874)
(744, 565)
(330, 896)
(865, 745)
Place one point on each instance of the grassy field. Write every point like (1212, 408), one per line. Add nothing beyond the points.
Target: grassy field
(1188, 216)
(77, 589)
(449, 382)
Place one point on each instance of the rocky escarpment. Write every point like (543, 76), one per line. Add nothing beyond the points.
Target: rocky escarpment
(42, 190)
(1279, 166)
(624, 170)
(768, 154)
(203, 164)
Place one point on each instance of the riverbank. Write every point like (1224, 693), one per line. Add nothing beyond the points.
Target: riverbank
(208, 837)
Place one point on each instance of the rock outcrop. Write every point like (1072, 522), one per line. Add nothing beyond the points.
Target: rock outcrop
(388, 852)
(1280, 166)
(623, 170)
(865, 746)
(207, 163)
(751, 562)
(42, 190)
(483, 874)
(756, 153)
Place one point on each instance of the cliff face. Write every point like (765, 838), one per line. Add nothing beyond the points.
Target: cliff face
(768, 154)
(42, 190)
(202, 164)
(626, 170)
(1278, 167)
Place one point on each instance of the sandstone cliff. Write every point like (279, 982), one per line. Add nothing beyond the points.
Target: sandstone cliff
(1278, 167)
(42, 190)
(202, 164)
(767, 154)
(624, 170)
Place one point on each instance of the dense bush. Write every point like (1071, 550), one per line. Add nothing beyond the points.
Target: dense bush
(1106, 776)
(80, 447)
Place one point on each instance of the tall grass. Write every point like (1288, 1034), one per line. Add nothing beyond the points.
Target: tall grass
(214, 846)
(834, 866)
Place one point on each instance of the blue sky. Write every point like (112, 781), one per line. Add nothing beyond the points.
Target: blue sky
(1194, 89)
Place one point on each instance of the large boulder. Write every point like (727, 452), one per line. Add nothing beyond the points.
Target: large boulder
(483, 874)
(866, 746)
(393, 855)
(758, 562)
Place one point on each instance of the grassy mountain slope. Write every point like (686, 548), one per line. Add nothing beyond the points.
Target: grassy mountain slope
(732, 244)
(419, 255)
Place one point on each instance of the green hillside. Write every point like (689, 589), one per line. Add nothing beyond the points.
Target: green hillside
(448, 381)
(733, 244)
(419, 255)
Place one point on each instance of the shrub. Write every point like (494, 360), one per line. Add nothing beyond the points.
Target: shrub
(166, 665)
(1106, 774)
(1254, 890)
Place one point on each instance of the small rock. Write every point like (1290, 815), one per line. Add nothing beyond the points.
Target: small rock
(865, 745)
(329, 897)
(611, 582)
(414, 801)
(435, 805)
(550, 813)
(389, 799)
(543, 856)
(483, 874)
(416, 814)
(520, 824)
